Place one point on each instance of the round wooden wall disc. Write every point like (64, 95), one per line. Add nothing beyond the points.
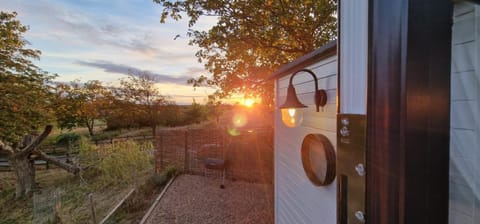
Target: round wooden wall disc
(318, 159)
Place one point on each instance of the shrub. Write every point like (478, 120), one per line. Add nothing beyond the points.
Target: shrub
(195, 113)
(170, 171)
(115, 163)
(158, 180)
(67, 139)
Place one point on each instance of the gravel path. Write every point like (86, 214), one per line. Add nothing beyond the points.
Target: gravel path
(198, 199)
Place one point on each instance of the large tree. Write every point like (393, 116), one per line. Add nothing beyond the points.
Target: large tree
(251, 39)
(139, 96)
(81, 104)
(25, 99)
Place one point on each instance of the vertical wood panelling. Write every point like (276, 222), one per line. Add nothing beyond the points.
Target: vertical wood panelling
(353, 56)
(408, 111)
(465, 117)
(297, 200)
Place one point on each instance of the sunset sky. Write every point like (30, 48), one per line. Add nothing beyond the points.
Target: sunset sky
(105, 39)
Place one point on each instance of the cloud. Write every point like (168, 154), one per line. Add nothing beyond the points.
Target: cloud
(104, 40)
(194, 71)
(129, 70)
(108, 34)
(74, 25)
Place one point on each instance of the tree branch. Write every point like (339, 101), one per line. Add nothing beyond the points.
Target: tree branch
(6, 148)
(71, 168)
(29, 148)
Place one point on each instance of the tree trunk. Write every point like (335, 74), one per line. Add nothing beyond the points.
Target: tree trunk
(24, 169)
(90, 127)
(22, 163)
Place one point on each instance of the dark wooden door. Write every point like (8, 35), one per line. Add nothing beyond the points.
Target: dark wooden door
(408, 111)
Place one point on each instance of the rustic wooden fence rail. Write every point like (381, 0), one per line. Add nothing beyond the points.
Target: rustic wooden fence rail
(5, 165)
(121, 139)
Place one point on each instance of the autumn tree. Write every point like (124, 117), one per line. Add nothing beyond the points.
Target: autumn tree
(195, 113)
(215, 109)
(251, 39)
(171, 114)
(25, 104)
(139, 96)
(121, 113)
(81, 104)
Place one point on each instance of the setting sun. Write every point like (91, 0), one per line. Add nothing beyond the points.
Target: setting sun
(248, 102)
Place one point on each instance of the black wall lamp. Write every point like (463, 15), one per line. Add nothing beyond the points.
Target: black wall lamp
(292, 109)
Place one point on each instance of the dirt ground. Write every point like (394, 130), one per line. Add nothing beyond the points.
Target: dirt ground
(199, 199)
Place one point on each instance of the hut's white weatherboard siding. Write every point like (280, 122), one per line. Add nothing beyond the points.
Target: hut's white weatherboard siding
(465, 116)
(297, 200)
(353, 56)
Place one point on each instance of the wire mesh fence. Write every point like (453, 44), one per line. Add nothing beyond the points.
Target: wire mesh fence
(45, 206)
(249, 155)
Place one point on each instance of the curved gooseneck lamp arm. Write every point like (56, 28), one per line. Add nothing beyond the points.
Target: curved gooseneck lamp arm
(292, 99)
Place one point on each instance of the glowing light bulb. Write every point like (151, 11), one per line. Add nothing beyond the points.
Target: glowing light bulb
(291, 112)
(292, 117)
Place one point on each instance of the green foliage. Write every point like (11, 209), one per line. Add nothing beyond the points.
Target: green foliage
(215, 110)
(172, 115)
(196, 113)
(25, 93)
(50, 140)
(170, 171)
(67, 139)
(253, 38)
(158, 179)
(88, 153)
(115, 163)
(137, 103)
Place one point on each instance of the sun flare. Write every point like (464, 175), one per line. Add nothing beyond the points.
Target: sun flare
(249, 102)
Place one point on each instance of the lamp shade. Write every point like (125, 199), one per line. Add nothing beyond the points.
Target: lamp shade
(292, 109)
(291, 100)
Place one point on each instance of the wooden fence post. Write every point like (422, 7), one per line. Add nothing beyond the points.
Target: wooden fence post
(186, 163)
(56, 208)
(92, 208)
(155, 154)
(161, 151)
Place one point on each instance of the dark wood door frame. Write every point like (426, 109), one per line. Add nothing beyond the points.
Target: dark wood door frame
(408, 111)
